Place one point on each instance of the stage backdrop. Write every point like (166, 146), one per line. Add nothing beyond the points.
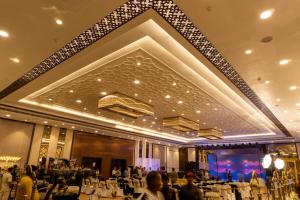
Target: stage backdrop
(241, 163)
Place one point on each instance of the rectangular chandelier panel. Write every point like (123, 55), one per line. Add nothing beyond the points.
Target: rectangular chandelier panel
(210, 134)
(125, 105)
(181, 124)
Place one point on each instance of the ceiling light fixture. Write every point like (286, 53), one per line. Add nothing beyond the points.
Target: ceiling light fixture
(136, 82)
(284, 62)
(84, 108)
(150, 101)
(173, 110)
(99, 79)
(278, 100)
(174, 83)
(187, 91)
(180, 102)
(3, 34)
(266, 14)
(248, 51)
(7, 115)
(73, 127)
(71, 91)
(103, 93)
(50, 99)
(267, 82)
(135, 94)
(15, 60)
(138, 64)
(298, 104)
(78, 101)
(45, 122)
(58, 21)
(293, 87)
(198, 111)
(182, 114)
(167, 96)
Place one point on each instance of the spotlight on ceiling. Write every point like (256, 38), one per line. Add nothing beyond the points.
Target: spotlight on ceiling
(293, 87)
(15, 60)
(58, 21)
(3, 33)
(248, 51)
(284, 62)
(266, 14)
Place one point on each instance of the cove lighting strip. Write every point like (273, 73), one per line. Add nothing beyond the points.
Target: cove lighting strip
(136, 129)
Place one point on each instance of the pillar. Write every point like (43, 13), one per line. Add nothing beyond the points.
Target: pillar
(36, 143)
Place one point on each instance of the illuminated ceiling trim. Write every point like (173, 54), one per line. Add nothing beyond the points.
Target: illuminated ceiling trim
(176, 18)
(181, 124)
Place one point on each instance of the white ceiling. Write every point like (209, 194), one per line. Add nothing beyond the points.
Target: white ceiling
(232, 28)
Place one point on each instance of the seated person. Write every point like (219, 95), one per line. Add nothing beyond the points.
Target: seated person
(190, 191)
(153, 187)
(168, 192)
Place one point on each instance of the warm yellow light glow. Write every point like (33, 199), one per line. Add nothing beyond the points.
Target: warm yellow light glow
(78, 101)
(3, 33)
(293, 87)
(266, 14)
(136, 82)
(248, 51)
(58, 21)
(167, 96)
(284, 62)
(267, 161)
(15, 60)
(279, 163)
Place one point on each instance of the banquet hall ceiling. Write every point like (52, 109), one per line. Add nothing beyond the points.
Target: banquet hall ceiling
(232, 29)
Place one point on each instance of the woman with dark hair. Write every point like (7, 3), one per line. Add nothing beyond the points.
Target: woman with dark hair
(26, 187)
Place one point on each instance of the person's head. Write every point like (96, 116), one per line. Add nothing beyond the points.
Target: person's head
(10, 169)
(173, 169)
(28, 170)
(165, 179)
(115, 167)
(254, 175)
(190, 177)
(153, 181)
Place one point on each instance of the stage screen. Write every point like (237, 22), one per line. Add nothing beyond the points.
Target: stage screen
(241, 163)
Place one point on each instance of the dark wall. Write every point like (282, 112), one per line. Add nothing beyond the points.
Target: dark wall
(107, 148)
(183, 158)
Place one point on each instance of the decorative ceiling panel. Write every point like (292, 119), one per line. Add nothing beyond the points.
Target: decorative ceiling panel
(156, 82)
(175, 17)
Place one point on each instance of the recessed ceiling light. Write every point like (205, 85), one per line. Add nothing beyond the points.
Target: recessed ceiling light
(138, 63)
(78, 101)
(204, 123)
(248, 51)
(58, 21)
(208, 104)
(55, 125)
(174, 83)
(215, 108)
(155, 118)
(15, 60)
(50, 99)
(153, 122)
(73, 127)
(180, 102)
(3, 33)
(293, 87)
(103, 93)
(7, 115)
(26, 120)
(123, 119)
(267, 82)
(84, 108)
(266, 14)
(198, 111)
(284, 62)
(150, 101)
(173, 110)
(278, 100)
(45, 122)
(182, 114)
(187, 91)
(298, 104)
(96, 131)
(71, 91)
(167, 96)
(63, 124)
(135, 94)
(198, 120)
(144, 120)
(136, 82)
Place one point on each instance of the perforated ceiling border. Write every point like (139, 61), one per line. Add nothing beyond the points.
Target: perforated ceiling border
(176, 18)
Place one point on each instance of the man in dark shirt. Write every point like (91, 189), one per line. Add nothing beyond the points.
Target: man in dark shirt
(190, 191)
(169, 193)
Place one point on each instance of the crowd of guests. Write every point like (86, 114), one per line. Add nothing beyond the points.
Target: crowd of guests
(23, 185)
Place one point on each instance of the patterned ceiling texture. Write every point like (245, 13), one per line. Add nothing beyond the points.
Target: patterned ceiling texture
(175, 17)
(156, 81)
